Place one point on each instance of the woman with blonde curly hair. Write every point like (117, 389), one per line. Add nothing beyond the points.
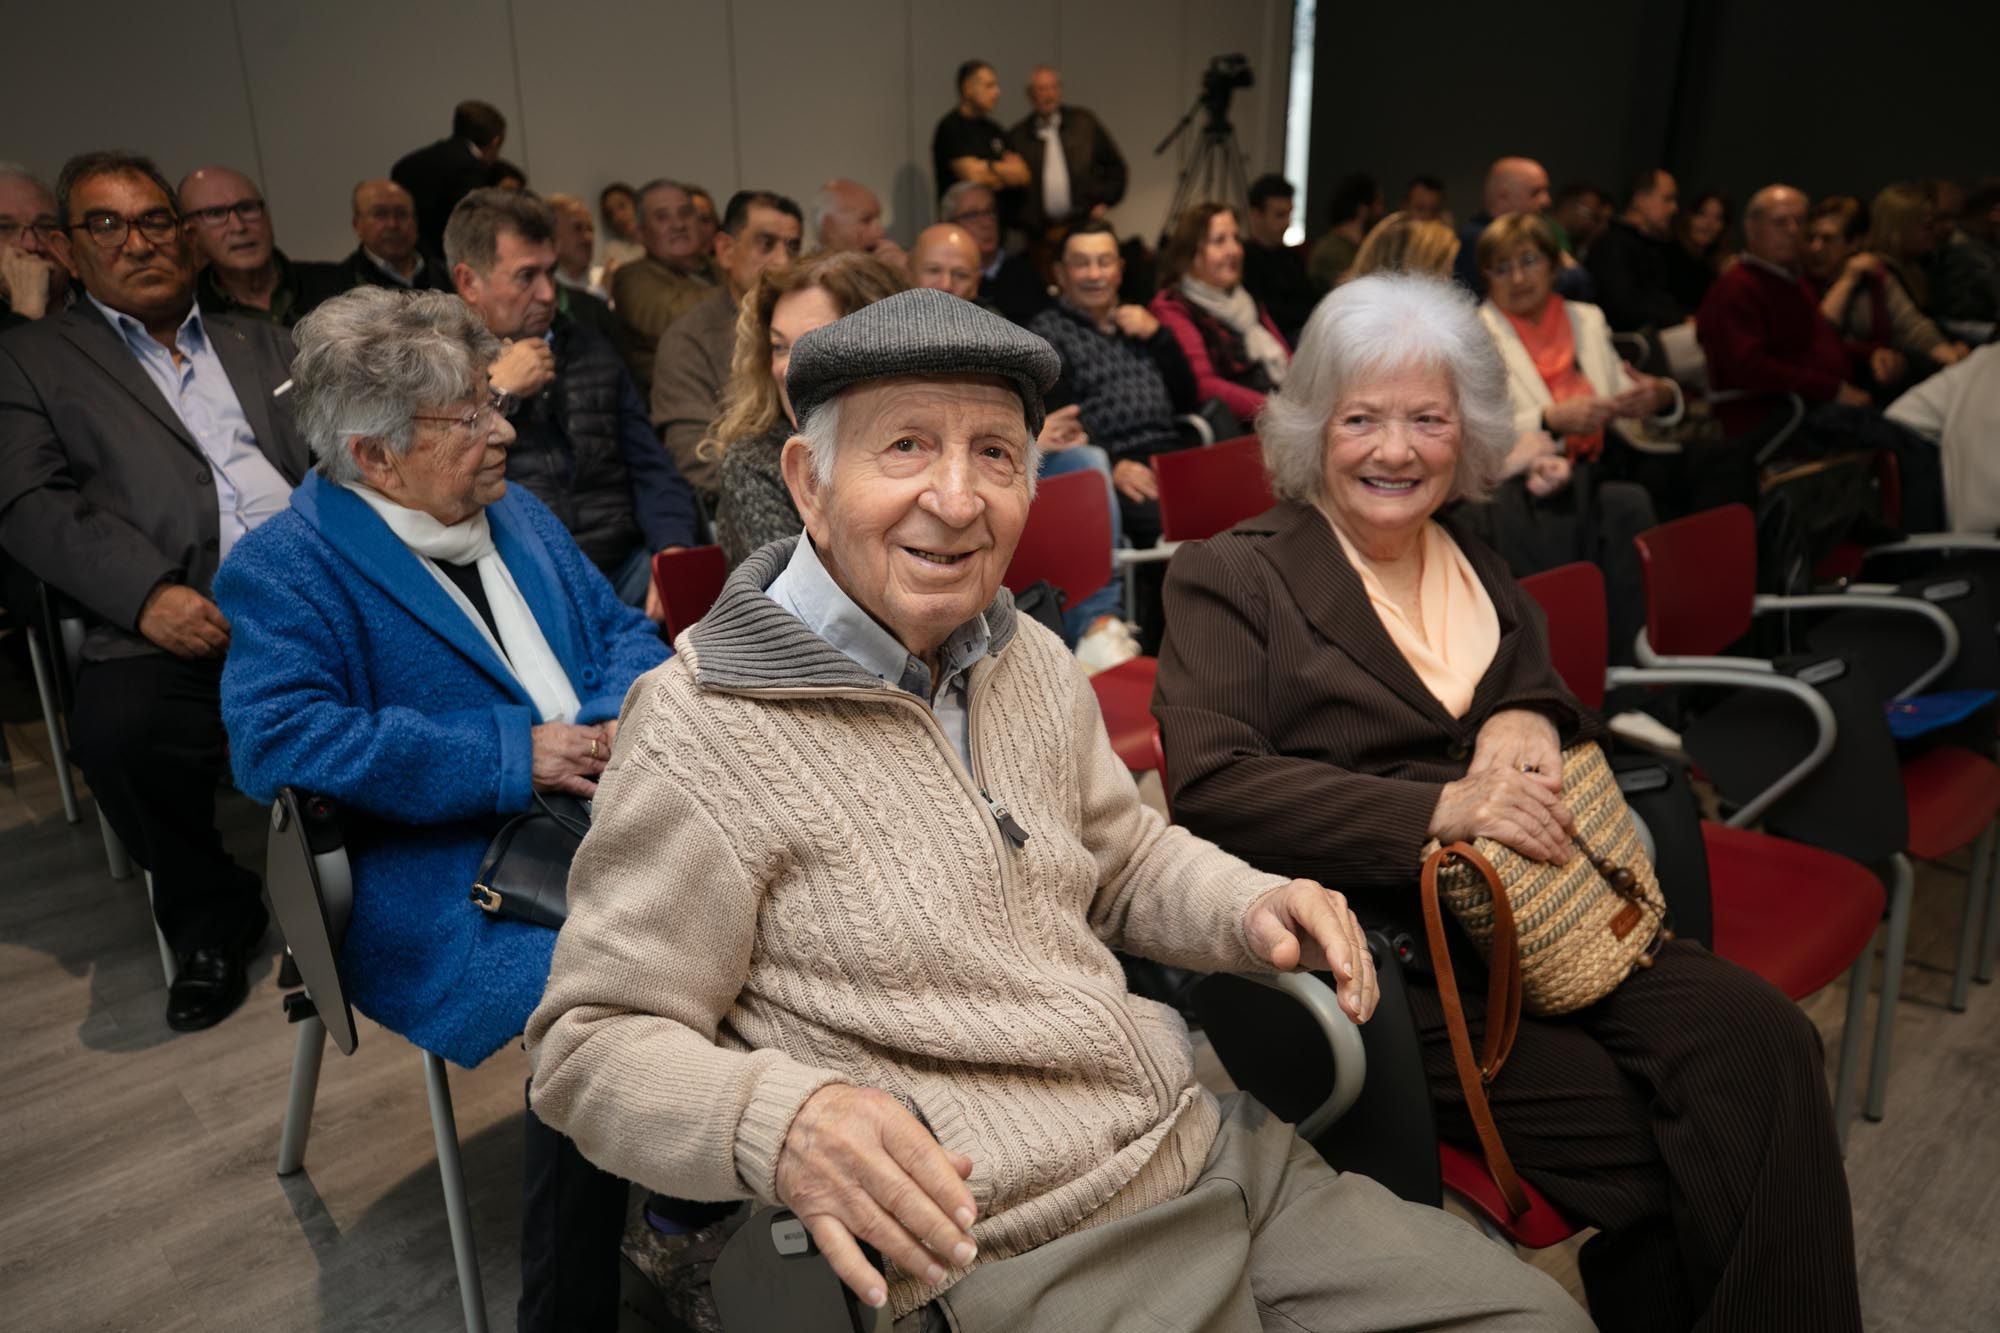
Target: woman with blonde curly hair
(756, 419)
(1406, 243)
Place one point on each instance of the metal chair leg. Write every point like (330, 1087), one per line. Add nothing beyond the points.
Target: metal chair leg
(169, 964)
(1976, 878)
(116, 857)
(306, 1057)
(1846, 1078)
(1991, 935)
(1893, 949)
(444, 1127)
(45, 686)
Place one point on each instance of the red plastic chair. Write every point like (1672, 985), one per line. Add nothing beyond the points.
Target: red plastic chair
(1203, 491)
(1067, 541)
(688, 581)
(1700, 598)
(1796, 915)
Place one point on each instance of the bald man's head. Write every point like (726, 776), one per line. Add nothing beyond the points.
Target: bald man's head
(385, 222)
(847, 216)
(946, 258)
(1516, 185)
(226, 216)
(1774, 225)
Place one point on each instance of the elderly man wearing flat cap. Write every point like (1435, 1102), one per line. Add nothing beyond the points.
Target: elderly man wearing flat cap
(841, 934)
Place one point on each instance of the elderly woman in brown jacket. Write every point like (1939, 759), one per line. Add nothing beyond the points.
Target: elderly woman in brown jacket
(1348, 675)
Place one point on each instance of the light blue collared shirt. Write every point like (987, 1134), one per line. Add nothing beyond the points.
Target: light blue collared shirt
(807, 591)
(248, 489)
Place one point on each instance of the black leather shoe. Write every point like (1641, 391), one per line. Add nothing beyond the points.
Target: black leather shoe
(210, 985)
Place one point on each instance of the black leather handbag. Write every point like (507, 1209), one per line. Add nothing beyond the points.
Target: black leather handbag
(524, 875)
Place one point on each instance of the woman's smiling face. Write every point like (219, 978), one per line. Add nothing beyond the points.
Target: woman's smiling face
(1391, 452)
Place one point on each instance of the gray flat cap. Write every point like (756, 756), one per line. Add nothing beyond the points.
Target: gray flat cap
(921, 332)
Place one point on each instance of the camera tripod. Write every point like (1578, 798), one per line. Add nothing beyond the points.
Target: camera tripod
(1213, 168)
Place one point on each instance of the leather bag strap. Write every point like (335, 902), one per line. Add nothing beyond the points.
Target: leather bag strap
(1503, 1011)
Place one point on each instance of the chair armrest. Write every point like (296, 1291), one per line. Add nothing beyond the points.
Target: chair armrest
(1940, 620)
(1640, 346)
(1198, 423)
(1759, 676)
(1941, 543)
(1144, 555)
(1350, 1061)
(1795, 407)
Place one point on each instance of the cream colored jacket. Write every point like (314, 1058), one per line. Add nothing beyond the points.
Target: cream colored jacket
(1596, 357)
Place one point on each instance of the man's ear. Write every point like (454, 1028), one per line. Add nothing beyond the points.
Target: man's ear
(466, 279)
(724, 247)
(807, 495)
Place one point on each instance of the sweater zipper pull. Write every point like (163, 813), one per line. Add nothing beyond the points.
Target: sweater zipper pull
(1009, 830)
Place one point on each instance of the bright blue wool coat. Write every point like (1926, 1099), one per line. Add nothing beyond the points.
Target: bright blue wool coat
(352, 673)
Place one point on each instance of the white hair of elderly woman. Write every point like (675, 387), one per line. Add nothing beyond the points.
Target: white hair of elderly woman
(370, 359)
(1378, 325)
(821, 432)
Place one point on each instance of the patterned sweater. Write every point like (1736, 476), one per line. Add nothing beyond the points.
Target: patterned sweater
(791, 881)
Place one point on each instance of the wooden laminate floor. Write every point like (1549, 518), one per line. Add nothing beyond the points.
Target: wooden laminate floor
(137, 1188)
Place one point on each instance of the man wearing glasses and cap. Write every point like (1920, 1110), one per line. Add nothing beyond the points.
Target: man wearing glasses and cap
(140, 439)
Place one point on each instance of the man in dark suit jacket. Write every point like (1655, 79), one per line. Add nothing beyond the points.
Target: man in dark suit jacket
(139, 439)
(1089, 171)
(439, 176)
(385, 224)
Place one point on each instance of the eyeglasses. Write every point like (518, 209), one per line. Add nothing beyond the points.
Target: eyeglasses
(1523, 264)
(110, 230)
(248, 210)
(475, 420)
(975, 214)
(46, 228)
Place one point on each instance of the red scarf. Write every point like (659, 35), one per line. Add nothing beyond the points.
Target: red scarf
(1551, 344)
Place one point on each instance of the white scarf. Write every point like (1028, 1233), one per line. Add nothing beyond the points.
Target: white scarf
(521, 645)
(1238, 309)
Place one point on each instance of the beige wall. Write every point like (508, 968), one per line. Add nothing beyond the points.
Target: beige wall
(773, 93)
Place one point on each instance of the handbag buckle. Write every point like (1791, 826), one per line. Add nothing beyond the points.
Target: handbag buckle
(487, 899)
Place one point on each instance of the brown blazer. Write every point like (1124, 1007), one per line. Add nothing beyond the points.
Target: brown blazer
(1298, 736)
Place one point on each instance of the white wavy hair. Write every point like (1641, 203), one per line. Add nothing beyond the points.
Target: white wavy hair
(1375, 325)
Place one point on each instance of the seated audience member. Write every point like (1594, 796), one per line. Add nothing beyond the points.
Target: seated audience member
(506, 176)
(243, 271)
(675, 274)
(1858, 293)
(1965, 267)
(1958, 409)
(1075, 171)
(1762, 328)
(1353, 674)
(582, 443)
(748, 439)
(618, 209)
(1514, 185)
(1273, 272)
(1404, 243)
(385, 224)
(706, 220)
(1901, 237)
(1356, 208)
(1582, 213)
(576, 244)
(968, 144)
(946, 259)
(440, 175)
(1701, 248)
(1631, 266)
(139, 441)
(1007, 283)
(426, 645)
(1236, 353)
(33, 281)
(1569, 392)
(1423, 199)
(971, 1090)
(846, 215)
(760, 230)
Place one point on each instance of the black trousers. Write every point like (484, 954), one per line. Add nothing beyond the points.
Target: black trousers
(1685, 1116)
(572, 1224)
(147, 732)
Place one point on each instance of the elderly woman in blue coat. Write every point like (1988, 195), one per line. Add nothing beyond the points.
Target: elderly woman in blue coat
(429, 648)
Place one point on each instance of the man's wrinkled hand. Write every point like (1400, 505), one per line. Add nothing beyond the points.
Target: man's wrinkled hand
(524, 369)
(182, 621)
(1302, 925)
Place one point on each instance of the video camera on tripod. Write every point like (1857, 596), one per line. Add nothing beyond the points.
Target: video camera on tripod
(1212, 169)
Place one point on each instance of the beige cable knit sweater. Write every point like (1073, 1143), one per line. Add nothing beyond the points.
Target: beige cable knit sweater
(791, 880)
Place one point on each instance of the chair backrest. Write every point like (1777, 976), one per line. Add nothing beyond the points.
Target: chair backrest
(1203, 491)
(1067, 540)
(688, 580)
(307, 875)
(1701, 580)
(1572, 596)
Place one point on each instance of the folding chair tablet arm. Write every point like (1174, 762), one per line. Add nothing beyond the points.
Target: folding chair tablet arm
(1940, 620)
(1350, 1061)
(1795, 409)
(1749, 674)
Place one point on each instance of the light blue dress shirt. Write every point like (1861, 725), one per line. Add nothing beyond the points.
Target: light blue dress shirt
(248, 489)
(807, 591)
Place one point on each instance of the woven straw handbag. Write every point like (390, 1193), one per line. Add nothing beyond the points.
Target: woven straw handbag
(1555, 938)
